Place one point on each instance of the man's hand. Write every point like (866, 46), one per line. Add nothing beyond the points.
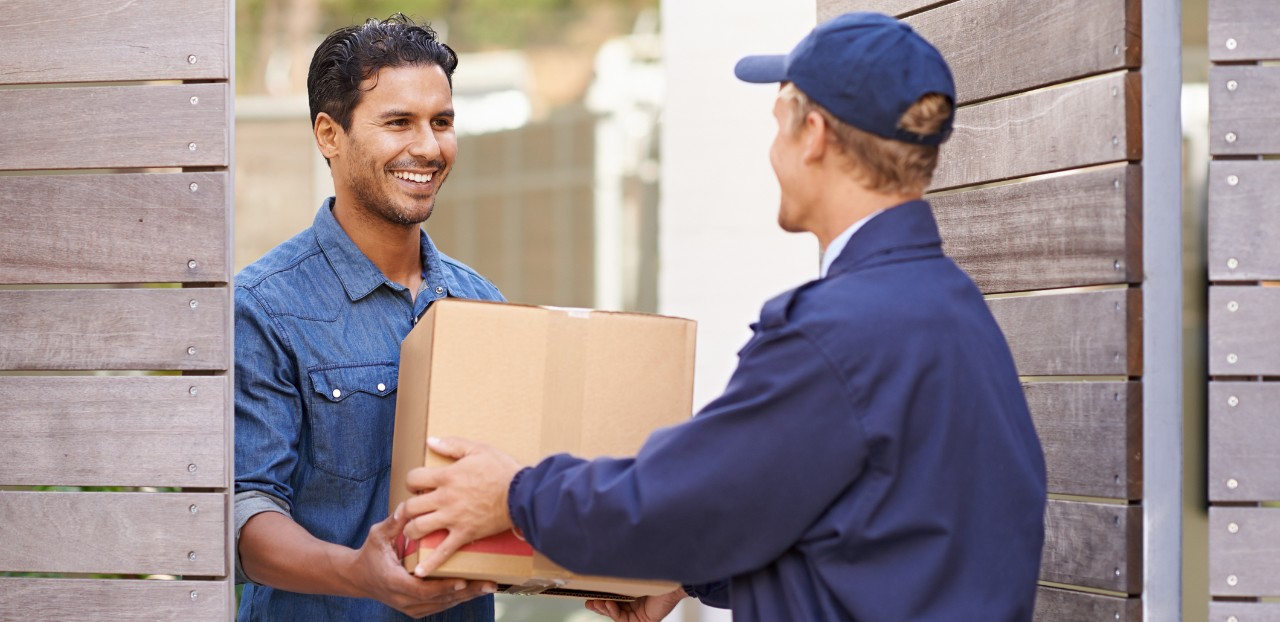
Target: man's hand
(643, 609)
(468, 498)
(376, 570)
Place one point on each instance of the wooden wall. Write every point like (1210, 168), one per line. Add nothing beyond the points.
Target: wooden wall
(115, 381)
(1244, 304)
(1050, 95)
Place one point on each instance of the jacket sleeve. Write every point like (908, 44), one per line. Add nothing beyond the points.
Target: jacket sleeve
(722, 494)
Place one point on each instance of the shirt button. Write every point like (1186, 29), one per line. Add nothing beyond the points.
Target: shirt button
(337, 394)
(439, 290)
(382, 387)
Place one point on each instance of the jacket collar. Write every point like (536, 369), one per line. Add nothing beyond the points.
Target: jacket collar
(902, 227)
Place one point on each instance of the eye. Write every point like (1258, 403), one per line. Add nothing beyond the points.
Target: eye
(398, 122)
(442, 123)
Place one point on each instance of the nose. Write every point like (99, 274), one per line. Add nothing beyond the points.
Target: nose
(424, 144)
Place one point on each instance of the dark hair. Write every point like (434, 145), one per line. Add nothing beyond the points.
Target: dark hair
(351, 55)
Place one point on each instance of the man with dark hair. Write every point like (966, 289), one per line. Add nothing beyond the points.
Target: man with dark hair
(872, 457)
(319, 321)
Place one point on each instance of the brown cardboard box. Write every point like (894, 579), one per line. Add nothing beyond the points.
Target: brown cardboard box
(532, 382)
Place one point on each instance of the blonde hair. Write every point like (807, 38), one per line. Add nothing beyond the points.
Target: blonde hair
(881, 164)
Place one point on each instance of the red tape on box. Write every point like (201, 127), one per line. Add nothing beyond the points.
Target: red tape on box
(505, 543)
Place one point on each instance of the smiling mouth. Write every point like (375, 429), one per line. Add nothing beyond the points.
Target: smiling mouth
(418, 178)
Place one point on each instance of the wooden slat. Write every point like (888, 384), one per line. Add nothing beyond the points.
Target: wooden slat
(1253, 25)
(1244, 214)
(113, 532)
(1093, 545)
(1244, 441)
(113, 228)
(828, 9)
(114, 126)
(114, 431)
(97, 600)
(1249, 114)
(1238, 343)
(1078, 334)
(1094, 121)
(1078, 229)
(1250, 551)
(998, 47)
(114, 329)
(1092, 436)
(106, 40)
(1220, 611)
(1058, 605)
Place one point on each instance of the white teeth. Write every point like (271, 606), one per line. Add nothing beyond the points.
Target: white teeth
(415, 177)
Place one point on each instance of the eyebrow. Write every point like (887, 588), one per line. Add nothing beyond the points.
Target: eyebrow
(394, 114)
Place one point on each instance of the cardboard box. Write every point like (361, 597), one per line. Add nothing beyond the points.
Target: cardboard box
(536, 381)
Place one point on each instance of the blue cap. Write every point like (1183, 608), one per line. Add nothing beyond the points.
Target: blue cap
(867, 69)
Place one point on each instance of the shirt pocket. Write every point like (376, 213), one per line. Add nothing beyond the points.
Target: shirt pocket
(353, 414)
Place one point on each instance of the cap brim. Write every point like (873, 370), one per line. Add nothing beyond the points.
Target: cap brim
(762, 69)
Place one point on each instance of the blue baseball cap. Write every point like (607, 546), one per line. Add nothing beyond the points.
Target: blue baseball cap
(867, 69)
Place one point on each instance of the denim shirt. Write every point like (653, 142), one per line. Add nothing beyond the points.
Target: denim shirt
(318, 332)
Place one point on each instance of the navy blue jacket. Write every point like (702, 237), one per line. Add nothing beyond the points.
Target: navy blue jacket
(872, 458)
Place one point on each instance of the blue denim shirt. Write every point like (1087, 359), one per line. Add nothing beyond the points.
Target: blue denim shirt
(318, 332)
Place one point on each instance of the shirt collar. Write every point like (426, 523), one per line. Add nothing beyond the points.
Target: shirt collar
(837, 245)
(358, 274)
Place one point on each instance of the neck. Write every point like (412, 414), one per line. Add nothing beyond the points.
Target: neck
(847, 203)
(395, 249)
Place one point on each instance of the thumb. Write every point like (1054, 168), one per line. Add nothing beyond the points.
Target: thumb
(395, 523)
(452, 447)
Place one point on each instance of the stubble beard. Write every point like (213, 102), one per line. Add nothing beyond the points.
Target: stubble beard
(374, 197)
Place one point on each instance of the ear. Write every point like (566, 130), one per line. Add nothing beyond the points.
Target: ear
(813, 136)
(327, 133)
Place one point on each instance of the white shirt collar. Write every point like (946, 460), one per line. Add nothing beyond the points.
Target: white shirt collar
(837, 245)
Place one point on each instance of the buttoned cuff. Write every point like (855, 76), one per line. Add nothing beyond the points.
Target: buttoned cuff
(247, 505)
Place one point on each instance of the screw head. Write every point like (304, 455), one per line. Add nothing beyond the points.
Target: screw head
(193, 509)
(1232, 580)
(191, 468)
(191, 59)
(194, 100)
(191, 146)
(1232, 180)
(1233, 528)
(1116, 264)
(1231, 137)
(1233, 263)
(1115, 92)
(1232, 358)
(193, 390)
(1115, 49)
(194, 304)
(1233, 401)
(194, 186)
(191, 264)
(1232, 85)
(1115, 140)
(1231, 44)
(194, 594)
(1117, 572)
(191, 555)
(191, 350)
(1233, 306)
(1115, 184)
(1232, 619)
(1233, 484)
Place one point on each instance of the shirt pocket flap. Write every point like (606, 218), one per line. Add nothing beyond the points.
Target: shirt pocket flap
(336, 382)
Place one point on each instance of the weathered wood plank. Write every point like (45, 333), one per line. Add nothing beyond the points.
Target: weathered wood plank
(113, 532)
(1244, 543)
(1244, 214)
(1244, 437)
(114, 329)
(1238, 315)
(1077, 334)
(998, 47)
(1251, 24)
(828, 9)
(1092, 436)
(1094, 545)
(115, 127)
(114, 431)
(1094, 121)
(94, 600)
(107, 40)
(1220, 611)
(1078, 229)
(1058, 605)
(1246, 120)
(114, 228)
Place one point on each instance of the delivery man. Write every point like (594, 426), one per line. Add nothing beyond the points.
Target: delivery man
(872, 457)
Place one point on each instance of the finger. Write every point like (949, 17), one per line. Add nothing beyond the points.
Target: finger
(594, 607)
(452, 447)
(615, 611)
(418, 505)
(440, 554)
(424, 478)
(424, 525)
